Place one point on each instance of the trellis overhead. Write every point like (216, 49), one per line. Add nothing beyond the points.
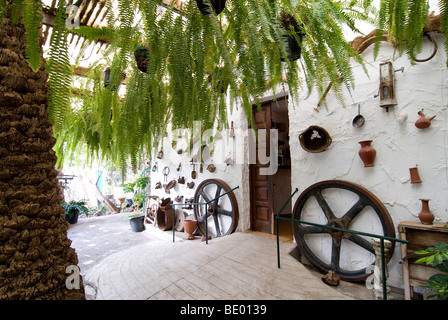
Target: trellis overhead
(91, 13)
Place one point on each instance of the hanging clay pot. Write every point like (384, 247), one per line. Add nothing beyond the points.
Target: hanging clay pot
(423, 122)
(367, 153)
(425, 216)
(415, 177)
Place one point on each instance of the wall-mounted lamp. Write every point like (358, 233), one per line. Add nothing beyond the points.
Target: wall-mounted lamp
(387, 85)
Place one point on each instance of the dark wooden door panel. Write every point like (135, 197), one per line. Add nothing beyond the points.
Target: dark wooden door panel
(261, 185)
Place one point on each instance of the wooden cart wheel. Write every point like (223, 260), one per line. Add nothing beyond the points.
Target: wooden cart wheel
(342, 205)
(222, 214)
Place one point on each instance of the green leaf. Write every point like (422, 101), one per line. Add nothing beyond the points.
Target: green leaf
(32, 19)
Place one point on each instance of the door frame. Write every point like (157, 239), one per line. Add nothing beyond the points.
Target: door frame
(254, 224)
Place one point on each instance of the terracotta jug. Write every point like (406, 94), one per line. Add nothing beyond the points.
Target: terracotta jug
(415, 177)
(423, 122)
(425, 216)
(367, 153)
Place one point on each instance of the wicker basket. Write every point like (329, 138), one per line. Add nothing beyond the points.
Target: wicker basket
(315, 139)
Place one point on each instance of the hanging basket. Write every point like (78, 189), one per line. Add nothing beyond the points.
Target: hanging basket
(141, 58)
(207, 7)
(292, 48)
(291, 44)
(315, 139)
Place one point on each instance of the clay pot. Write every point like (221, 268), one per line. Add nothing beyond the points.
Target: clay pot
(415, 177)
(367, 153)
(190, 227)
(425, 216)
(423, 122)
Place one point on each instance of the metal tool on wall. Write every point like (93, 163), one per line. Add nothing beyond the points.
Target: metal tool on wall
(387, 85)
(193, 173)
(166, 172)
(359, 120)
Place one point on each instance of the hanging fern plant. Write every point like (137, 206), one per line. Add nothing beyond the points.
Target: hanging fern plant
(199, 58)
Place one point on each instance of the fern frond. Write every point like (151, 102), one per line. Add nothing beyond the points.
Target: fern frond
(60, 71)
(443, 5)
(95, 34)
(32, 19)
(3, 7)
(418, 13)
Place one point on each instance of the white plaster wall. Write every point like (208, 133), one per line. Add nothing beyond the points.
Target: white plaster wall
(235, 174)
(399, 146)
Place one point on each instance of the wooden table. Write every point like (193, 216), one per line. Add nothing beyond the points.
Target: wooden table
(420, 236)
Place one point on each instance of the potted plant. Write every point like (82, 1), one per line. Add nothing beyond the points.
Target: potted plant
(137, 222)
(209, 7)
(437, 257)
(136, 219)
(291, 43)
(73, 209)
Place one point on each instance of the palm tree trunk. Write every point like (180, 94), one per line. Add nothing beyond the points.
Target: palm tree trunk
(34, 248)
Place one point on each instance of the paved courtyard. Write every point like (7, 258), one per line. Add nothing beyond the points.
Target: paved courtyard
(118, 264)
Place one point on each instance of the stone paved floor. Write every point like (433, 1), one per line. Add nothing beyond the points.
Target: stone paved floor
(96, 238)
(124, 265)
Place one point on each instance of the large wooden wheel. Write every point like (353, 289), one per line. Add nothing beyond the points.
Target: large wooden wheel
(347, 206)
(221, 214)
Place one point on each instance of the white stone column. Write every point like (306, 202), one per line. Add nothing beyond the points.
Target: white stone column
(377, 290)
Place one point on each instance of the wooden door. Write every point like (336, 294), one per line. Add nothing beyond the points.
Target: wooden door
(262, 204)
